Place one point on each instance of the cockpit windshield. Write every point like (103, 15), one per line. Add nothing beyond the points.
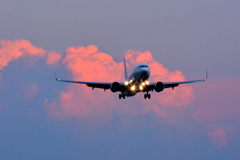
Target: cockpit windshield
(142, 66)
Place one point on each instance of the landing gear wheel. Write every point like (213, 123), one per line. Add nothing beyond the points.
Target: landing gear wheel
(145, 96)
(149, 96)
(121, 96)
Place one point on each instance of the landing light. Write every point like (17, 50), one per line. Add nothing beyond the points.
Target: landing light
(147, 82)
(143, 84)
(140, 87)
(133, 88)
(126, 82)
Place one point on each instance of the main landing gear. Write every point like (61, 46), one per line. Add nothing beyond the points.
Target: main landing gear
(121, 96)
(147, 96)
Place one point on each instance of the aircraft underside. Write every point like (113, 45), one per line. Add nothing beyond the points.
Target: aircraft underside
(131, 94)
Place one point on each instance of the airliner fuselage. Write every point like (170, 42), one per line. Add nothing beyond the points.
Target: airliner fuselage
(137, 80)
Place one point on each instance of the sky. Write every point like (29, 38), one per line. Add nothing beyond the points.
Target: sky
(41, 118)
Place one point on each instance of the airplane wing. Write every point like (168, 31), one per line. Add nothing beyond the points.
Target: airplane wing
(175, 84)
(89, 84)
(100, 85)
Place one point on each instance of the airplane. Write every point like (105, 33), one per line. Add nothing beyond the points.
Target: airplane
(135, 83)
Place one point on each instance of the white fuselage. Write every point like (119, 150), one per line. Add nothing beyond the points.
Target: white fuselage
(138, 79)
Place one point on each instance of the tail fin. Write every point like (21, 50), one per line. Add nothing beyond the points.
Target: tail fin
(125, 70)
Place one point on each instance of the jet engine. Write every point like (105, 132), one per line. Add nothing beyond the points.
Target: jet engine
(159, 87)
(115, 86)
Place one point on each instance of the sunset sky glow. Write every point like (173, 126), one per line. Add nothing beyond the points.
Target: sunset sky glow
(41, 118)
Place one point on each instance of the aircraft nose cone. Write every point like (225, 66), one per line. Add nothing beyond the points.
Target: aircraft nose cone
(145, 73)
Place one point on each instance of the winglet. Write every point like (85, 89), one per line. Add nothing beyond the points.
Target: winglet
(125, 69)
(206, 75)
(56, 77)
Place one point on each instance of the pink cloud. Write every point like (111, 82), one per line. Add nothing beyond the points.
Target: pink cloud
(11, 50)
(53, 58)
(89, 64)
(217, 104)
(219, 138)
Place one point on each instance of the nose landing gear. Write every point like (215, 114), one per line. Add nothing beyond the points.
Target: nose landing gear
(121, 96)
(147, 96)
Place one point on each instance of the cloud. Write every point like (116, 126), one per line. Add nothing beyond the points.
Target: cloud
(219, 137)
(89, 64)
(30, 90)
(53, 58)
(218, 110)
(11, 50)
(24, 54)
(216, 107)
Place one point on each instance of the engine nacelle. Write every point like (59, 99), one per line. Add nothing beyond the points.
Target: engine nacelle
(159, 87)
(115, 86)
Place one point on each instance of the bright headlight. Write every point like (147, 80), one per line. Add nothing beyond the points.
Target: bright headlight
(133, 88)
(140, 87)
(147, 82)
(126, 82)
